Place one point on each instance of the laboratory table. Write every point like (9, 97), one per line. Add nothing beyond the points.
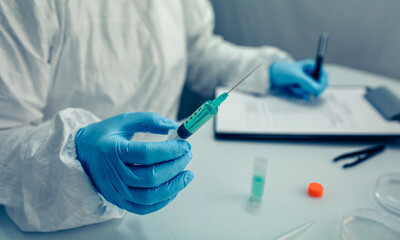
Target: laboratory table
(215, 205)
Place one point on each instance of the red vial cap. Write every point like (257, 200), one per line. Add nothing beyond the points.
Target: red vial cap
(315, 190)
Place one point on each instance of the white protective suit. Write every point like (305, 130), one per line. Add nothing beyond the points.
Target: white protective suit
(66, 64)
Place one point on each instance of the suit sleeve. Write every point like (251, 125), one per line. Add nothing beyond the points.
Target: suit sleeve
(42, 185)
(213, 61)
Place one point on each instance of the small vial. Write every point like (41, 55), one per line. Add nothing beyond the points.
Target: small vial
(259, 171)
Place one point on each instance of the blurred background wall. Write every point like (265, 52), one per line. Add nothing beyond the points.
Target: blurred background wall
(364, 34)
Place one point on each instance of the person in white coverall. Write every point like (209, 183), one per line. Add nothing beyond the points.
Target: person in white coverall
(79, 78)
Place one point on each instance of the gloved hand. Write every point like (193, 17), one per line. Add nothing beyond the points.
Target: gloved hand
(141, 177)
(295, 78)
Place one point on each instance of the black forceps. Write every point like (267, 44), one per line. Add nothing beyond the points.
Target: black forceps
(360, 156)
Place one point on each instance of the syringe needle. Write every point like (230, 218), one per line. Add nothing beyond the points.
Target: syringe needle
(245, 77)
(204, 113)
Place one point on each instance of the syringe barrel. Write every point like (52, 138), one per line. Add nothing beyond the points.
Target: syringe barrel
(195, 121)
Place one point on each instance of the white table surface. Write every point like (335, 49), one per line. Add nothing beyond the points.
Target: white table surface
(215, 204)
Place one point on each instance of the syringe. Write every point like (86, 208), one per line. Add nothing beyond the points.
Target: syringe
(203, 114)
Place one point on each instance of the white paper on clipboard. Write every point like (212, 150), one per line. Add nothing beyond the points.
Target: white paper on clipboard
(339, 111)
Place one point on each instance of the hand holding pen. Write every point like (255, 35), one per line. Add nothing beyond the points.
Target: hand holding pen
(304, 78)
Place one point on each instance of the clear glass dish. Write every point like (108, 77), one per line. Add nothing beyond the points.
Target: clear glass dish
(387, 192)
(365, 224)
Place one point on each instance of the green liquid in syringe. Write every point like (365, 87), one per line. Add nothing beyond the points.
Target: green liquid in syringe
(257, 187)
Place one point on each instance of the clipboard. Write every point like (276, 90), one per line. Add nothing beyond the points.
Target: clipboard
(340, 113)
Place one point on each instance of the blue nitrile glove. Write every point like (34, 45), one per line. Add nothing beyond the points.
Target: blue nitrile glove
(141, 177)
(295, 78)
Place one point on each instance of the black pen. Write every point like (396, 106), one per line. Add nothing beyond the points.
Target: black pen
(321, 51)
